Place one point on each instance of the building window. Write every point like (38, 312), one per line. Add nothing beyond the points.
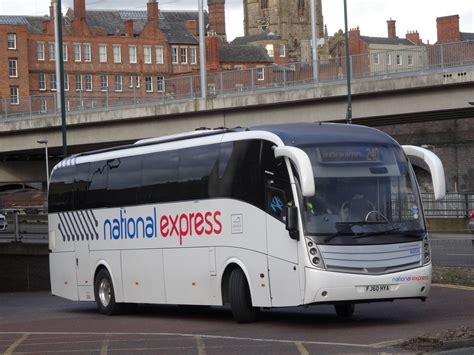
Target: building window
(53, 82)
(13, 68)
(389, 59)
(66, 82)
(159, 55)
(301, 7)
(211, 88)
(282, 50)
(160, 84)
(147, 54)
(44, 106)
(260, 74)
(41, 81)
(132, 53)
(148, 84)
(399, 59)
(174, 55)
(184, 55)
(118, 83)
(192, 55)
(52, 51)
(11, 41)
(264, 4)
(269, 48)
(87, 53)
(77, 52)
(117, 53)
(410, 59)
(65, 52)
(88, 82)
(134, 81)
(40, 50)
(375, 57)
(102, 53)
(104, 83)
(78, 82)
(14, 97)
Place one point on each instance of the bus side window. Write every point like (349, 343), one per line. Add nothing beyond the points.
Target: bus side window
(60, 189)
(124, 180)
(196, 166)
(277, 182)
(80, 186)
(237, 172)
(159, 182)
(97, 194)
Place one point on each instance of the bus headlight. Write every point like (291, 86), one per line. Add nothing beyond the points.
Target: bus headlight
(426, 251)
(314, 255)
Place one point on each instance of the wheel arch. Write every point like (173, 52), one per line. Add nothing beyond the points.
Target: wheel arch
(103, 264)
(231, 265)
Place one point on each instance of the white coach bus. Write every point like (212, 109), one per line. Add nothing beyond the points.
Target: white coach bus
(271, 216)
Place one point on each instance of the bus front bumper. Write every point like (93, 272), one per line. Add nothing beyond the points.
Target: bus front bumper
(326, 287)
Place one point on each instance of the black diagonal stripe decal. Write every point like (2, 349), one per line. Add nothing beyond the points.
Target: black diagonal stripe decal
(94, 222)
(86, 223)
(63, 234)
(64, 225)
(75, 234)
(79, 229)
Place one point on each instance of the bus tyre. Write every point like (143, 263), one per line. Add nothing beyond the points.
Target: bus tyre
(104, 293)
(240, 301)
(345, 310)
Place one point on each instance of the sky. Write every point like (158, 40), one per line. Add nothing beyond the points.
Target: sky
(369, 15)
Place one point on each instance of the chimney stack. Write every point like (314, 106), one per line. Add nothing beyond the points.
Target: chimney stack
(448, 29)
(129, 27)
(217, 17)
(152, 11)
(192, 27)
(80, 10)
(414, 37)
(392, 32)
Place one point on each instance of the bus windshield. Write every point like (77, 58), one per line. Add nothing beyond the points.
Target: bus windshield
(365, 194)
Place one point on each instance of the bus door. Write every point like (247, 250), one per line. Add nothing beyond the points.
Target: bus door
(282, 250)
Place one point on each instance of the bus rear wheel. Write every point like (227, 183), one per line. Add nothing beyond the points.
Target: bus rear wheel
(240, 301)
(345, 310)
(104, 293)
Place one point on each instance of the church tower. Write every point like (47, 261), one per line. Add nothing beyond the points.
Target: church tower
(290, 19)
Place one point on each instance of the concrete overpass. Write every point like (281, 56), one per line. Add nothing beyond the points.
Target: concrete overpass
(394, 99)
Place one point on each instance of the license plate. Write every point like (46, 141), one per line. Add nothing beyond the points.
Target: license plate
(377, 288)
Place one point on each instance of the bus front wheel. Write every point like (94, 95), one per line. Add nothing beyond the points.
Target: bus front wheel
(240, 301)
(104, 293)
(344, 310)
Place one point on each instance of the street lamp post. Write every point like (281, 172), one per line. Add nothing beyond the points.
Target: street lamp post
(45, 142)
(348, 68)
(202, 51)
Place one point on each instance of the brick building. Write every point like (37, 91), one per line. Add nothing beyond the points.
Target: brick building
(448, 30)
(111, 52)
(290, 20)
(374, 55)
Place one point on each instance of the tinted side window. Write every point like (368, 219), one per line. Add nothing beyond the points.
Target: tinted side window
(97, 194)
(160, 178)
(80, 186)
(60, 189)
(196, 166)
(124, 180)
(238, 172)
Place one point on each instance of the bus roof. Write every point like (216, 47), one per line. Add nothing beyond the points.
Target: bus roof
(298, 134)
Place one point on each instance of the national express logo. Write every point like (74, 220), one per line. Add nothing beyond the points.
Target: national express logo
(166, 226)
(82, 225)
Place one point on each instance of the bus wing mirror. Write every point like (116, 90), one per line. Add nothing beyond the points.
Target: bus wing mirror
(434, 164)
(303, 165)
(292, 222)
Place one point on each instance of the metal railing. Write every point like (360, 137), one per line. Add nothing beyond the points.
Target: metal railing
(453, 205)
(378, 65)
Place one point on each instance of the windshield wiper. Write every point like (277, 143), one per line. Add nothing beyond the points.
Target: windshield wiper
(348, 225)
(388, 231)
